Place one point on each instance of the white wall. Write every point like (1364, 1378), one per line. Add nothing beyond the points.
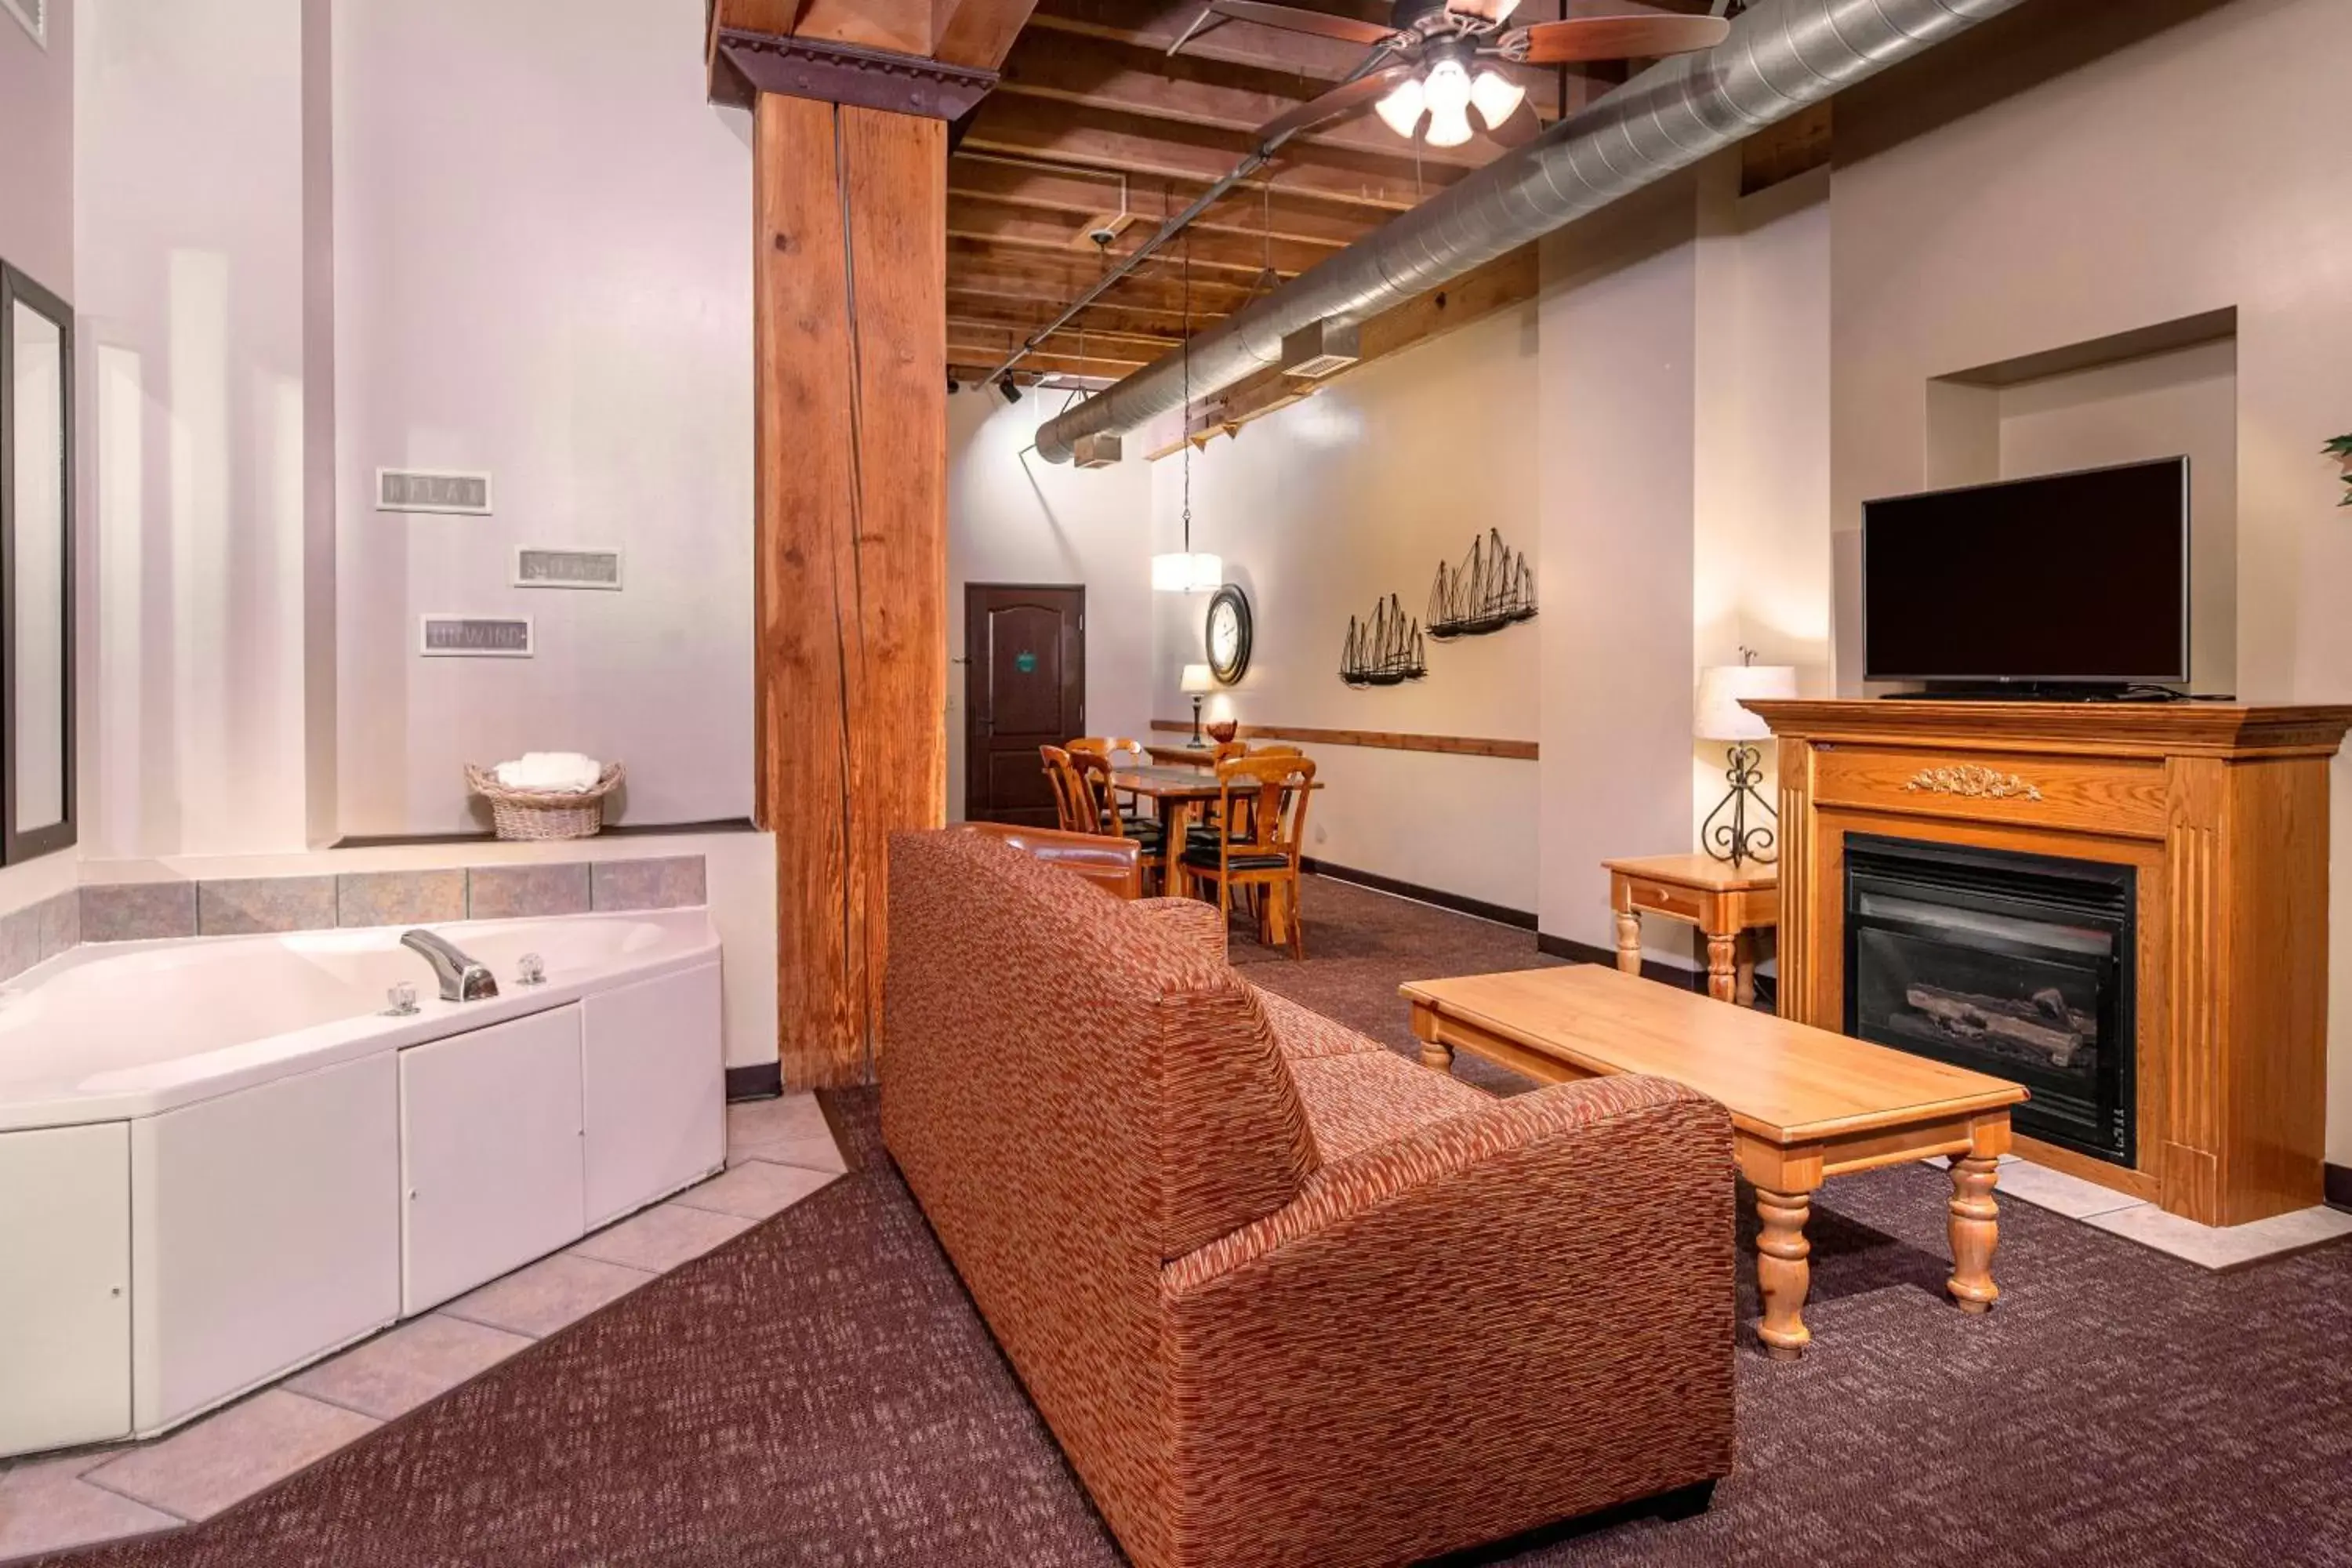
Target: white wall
(543, 269)
(37, 235)
(1014, 517)
(36, 149)
(189, 178)
(1329, 505)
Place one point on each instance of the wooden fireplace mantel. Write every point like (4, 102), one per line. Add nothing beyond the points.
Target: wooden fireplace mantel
(2222, 807)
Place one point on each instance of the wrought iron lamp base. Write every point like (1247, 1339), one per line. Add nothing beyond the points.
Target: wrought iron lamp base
(1732, 839)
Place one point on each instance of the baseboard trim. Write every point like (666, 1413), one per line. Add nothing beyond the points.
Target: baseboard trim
(1651, 968)
(761, 1080)
(2339, 1186)
(1479, 908)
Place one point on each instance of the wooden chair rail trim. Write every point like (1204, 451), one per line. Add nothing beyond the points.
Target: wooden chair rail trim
(1380, 740)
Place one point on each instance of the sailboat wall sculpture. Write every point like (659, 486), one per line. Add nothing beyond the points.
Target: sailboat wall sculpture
(1384, 650)
(1493, 588)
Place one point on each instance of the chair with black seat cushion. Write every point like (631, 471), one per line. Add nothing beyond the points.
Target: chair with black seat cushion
(1263, 801)
(1098, 789)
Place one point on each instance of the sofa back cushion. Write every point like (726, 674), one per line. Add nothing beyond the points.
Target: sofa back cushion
(1076, 1094)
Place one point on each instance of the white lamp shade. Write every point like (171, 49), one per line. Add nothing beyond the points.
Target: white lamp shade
(1402, 106)
(1722, 687)
(1496, 96)
(1199, 677)
(1178, 572)
(1447, 89)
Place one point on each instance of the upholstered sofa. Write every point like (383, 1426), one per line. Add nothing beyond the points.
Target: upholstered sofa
(1283, 1296)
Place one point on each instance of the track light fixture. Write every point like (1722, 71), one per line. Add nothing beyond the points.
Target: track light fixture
(1009, 388)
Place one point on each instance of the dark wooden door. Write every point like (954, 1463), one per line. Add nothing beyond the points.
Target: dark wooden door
(1025, 687)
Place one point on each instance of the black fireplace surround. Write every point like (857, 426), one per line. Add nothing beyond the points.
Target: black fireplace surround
(2016, 965)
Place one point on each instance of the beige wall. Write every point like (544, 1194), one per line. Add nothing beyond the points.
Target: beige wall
(2075, 173)
(1618, 451)
(1340, 501)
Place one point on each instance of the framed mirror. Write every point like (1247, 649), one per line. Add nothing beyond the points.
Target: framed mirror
(36, 721)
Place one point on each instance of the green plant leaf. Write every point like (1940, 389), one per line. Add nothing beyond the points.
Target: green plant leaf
(2341, 447)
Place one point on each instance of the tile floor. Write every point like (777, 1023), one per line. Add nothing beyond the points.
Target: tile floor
(777, 1152)
(2134, 1219)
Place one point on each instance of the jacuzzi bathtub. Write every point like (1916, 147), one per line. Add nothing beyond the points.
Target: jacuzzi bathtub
(218, 1160)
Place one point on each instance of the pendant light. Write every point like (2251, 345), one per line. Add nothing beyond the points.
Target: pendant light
(1183, 571)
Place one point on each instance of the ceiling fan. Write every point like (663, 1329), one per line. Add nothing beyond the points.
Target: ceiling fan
(1435, 60)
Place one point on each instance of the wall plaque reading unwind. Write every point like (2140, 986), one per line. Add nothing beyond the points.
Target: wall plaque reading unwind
(474, 636)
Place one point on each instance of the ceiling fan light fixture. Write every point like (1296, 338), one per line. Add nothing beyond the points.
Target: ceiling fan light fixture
(1496, 96)
(1448, 91)
(1403, 106)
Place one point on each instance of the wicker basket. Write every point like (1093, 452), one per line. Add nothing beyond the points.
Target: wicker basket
(530, 813)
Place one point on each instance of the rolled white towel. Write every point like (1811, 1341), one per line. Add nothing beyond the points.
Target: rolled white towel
(554, 773)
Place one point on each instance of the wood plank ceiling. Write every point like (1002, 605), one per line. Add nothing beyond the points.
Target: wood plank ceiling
(1094, 120)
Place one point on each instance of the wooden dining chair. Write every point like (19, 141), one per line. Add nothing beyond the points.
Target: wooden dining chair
(1098, 796)
(1069, 805)
(1112, 747)
(1269, 796)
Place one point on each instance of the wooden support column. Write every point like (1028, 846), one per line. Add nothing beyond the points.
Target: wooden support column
(851, 592)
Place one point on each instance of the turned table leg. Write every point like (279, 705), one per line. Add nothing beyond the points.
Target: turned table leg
(1975, 1231)
(1743, 990)
(1782, 1275)
(1722, 966)
(1629, 942)
(1435, 1053)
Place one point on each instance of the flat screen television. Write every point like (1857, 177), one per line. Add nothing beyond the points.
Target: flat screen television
(2077, 579)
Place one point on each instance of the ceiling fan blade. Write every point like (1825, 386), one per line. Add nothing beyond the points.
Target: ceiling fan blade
(1619, 39)
(1347, 29)
(1357, 94)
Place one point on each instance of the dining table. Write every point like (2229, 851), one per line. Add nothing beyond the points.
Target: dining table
(1176, 794)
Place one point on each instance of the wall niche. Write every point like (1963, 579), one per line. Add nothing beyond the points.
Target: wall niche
(2154, 392)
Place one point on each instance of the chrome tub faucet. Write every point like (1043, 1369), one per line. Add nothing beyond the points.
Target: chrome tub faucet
(462, 978)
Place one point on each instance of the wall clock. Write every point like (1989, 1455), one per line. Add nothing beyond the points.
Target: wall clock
(1229, 634)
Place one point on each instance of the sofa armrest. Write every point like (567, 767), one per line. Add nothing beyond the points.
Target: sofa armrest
(1509, 1317)
(1191, 919)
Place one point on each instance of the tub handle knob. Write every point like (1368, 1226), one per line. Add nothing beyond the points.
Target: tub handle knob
(400, 1000)
(531, 969)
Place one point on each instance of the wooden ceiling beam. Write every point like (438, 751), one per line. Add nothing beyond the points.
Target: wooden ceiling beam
(1085, 194)
(978, 33)
(1057, 234)
(1129, 79)
(1157, 24)
(1078, 133)
(1097, 330)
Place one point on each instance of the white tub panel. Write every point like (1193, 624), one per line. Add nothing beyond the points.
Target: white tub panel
(64, 1277)
(267, 1233)
(654, 1090)
(491, 1146)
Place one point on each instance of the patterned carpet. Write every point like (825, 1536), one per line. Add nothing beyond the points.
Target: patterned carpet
(820, 1391)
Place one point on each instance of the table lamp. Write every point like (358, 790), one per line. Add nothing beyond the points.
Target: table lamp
(1198, 680)
(1726, 835)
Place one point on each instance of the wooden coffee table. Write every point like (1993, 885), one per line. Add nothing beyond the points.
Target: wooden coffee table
(1805, 1104)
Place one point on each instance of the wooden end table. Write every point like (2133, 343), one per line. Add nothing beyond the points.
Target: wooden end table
(1805, 1104)
(1724, 902)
